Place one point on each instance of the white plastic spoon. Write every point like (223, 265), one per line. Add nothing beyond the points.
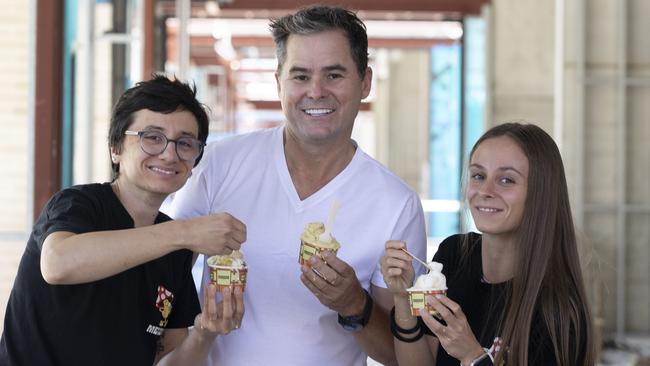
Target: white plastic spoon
(325, 236)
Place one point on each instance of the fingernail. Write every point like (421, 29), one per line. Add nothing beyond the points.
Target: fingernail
(304, 269)
(312, 259)
(438, 296)
(327, 254)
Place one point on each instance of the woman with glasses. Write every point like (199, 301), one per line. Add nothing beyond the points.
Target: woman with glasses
(106, 278)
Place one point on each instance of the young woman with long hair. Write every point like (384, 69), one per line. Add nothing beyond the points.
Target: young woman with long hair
(515, 292)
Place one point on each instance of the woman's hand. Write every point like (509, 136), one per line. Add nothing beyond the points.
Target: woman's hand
(397, 268)
(218, 233)
(456, 337)
(220, 317)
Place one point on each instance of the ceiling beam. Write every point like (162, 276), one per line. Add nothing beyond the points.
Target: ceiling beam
(458, 6)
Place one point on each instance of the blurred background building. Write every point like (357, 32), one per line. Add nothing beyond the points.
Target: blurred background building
(444, 71)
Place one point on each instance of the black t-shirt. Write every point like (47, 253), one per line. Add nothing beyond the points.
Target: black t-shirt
(113, 321)
(483, 303)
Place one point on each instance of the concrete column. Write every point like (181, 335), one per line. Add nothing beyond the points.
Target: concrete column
(402, 114)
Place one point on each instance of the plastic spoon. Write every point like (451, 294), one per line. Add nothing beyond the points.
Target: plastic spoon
(325, 236)
(426, 265)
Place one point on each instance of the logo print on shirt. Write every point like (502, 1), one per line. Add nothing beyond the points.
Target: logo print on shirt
(164, 304)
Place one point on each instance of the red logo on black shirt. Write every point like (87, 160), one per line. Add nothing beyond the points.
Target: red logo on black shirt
(164, 303)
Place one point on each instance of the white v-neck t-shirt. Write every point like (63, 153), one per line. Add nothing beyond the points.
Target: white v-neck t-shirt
(284, 323)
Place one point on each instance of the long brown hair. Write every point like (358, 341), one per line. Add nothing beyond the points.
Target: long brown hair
(547, 275)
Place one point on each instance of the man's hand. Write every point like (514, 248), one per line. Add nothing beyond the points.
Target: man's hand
(334, 283)
(221, 317)
(217, 318)
(218, 233)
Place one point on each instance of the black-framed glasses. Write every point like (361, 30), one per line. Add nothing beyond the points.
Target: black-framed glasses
(155, 142)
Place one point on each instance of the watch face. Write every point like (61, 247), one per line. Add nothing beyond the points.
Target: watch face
(357, 322)
(351, 323)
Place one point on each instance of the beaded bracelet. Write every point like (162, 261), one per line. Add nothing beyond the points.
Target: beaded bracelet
(396, 329)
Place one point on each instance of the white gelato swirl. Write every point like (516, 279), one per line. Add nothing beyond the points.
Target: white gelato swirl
(434, 280)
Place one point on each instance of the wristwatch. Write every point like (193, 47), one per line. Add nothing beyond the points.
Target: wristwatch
(482, 360)
(355, 323)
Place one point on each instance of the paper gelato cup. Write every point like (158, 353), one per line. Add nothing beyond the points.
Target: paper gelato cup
(224, 276)
(308, 249)
(228, 271)
(310, 243)
(431, 283)
(417, 300)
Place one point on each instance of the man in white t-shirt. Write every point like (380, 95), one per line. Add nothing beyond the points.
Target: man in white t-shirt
(334, 310)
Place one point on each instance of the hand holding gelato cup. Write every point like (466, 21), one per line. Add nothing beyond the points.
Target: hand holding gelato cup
(432, 283)
(312, 242)
(228, 270)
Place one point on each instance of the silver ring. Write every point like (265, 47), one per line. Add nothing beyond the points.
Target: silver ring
(319, 274)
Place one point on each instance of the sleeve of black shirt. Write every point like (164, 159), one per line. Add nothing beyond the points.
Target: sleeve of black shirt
(68, 210)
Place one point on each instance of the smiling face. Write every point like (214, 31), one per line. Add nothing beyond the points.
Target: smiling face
(320, 88)
(498, 184)
(160, 174)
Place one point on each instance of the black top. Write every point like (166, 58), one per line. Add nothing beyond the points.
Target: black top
(483, 303)
(114, 321)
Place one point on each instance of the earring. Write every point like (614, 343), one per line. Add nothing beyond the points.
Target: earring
(114, 158)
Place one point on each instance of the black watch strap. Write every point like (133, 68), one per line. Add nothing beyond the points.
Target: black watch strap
(357, 322)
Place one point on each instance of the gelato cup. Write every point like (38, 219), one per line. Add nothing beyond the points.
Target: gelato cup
(228, 270)
(417, 300)
(432, 283)
(311, 243)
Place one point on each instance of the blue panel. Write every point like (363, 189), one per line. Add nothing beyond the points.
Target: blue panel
(445, 139)
(475, 80)
(475, 88)
(67, 131)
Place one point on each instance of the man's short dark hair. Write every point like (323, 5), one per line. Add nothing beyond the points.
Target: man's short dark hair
(318, 18)
(162, 95)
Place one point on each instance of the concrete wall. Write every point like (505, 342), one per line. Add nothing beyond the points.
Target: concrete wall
(521, 86)
(401, 113)
(14, 72)
(14, 148)
(615, 172)
(521, 62)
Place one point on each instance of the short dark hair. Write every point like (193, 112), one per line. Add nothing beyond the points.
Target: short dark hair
(319, 18)
(162, 95)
